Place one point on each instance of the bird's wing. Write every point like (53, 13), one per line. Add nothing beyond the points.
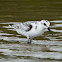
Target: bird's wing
(26, 26)
(23, 26)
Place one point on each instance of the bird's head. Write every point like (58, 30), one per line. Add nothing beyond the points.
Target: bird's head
(45, 24)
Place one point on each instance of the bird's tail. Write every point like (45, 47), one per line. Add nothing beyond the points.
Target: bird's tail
(14, 26)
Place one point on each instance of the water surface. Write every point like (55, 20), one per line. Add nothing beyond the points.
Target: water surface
(14, 47)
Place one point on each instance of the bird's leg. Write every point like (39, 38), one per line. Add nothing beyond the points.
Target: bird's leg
(29, 40)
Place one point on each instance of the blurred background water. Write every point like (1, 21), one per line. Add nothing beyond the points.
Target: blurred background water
(13, 46)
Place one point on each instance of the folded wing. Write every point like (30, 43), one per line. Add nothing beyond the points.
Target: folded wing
(22, 26)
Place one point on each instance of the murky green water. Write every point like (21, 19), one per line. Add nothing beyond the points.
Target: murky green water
(46, 48)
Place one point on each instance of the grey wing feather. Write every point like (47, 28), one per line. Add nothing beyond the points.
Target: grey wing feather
(22, 26)
(26, 26)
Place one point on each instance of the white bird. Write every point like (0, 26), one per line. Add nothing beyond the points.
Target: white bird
(32, 29)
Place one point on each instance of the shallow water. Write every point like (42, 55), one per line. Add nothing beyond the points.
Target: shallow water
(14, 47)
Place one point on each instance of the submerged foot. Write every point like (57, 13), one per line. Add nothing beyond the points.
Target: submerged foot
(29, 41)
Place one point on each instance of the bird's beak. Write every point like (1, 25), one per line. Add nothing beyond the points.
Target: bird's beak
(50, 31)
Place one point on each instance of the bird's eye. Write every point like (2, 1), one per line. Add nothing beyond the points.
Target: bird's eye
(44, 24)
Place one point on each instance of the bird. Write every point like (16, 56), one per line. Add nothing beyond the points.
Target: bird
(32, 29)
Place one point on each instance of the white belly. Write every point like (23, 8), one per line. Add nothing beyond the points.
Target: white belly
(32, 33)
(35, 33)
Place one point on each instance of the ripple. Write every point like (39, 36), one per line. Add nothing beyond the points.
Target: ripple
(51, 55)
(57, 21)
(57, 25)
(5, 50)
(39, 42)
(5, 34)
(57, 30)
